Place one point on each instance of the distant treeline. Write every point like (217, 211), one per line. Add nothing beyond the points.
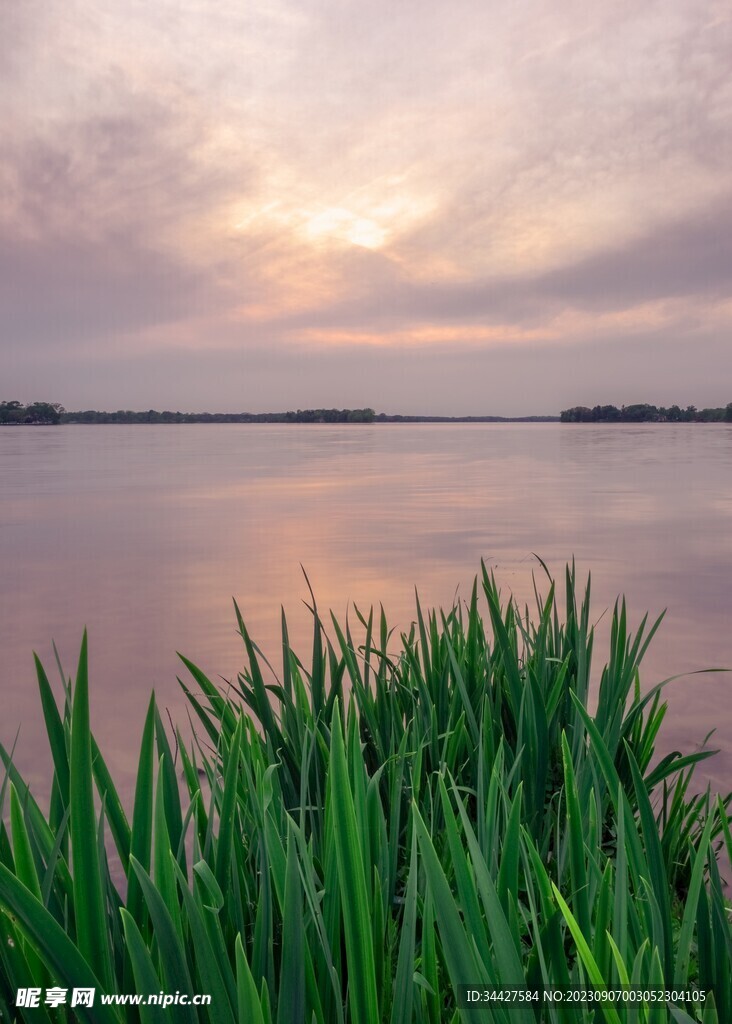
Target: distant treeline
(398, 418)
(45, 412)
(645, 414)
(36, 412)
(51, 413)
(153, 416)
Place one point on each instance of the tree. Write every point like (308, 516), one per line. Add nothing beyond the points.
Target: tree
(11, 412)
(44, 412)
(640, 413)
(577, 414)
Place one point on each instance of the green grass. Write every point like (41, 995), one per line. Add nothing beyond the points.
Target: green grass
(348, 840)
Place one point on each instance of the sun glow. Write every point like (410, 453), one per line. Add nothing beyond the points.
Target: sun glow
(339, 224)
(375, 214)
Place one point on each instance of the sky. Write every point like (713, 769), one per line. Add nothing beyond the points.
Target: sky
(497, 208)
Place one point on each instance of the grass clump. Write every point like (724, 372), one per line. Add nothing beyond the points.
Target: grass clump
(349, 841)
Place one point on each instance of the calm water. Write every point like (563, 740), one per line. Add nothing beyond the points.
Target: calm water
(144, 534)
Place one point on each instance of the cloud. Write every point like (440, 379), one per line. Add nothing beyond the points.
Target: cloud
(100, 224)
(288, 177)
(542, 375)
(71, 293)
(688, 256)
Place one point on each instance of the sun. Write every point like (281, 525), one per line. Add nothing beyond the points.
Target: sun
(337, 223)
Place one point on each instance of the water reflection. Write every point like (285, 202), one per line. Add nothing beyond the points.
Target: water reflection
(145, 533)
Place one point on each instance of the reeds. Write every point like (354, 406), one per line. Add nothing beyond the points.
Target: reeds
(348, 842)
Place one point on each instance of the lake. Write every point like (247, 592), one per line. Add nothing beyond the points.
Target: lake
(145, 533)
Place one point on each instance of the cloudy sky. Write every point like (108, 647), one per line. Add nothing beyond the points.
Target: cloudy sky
(421, 205)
